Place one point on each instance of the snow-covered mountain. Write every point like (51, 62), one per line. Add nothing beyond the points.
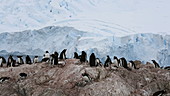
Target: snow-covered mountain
(140, 16)
(144, 47)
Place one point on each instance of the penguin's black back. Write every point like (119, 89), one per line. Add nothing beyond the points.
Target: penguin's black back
(167, 68)
(133, 64)
(76, 56)
(23, 74)
(159, 93)
(3, 60)
(63, 53)
(107, 62)
(55, 58)
(124, 62)
(83, 56)
(28, 59)
(156, 64)
(92, 60)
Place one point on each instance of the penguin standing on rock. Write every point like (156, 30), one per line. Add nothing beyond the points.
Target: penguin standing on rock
(132, 65)
(83, 57)
(63, 54)
(156, 65)
(35, 60)
(2, 60)
(123, 62)
(46, 57)
(20, 60)
(107, 62)
(116, 61)
(54, 60)
(10, 61)
(28, 60)
(76, 56)
(92, 60)
(98, 62)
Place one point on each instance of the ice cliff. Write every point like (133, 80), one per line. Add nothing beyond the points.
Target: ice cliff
(144, 46)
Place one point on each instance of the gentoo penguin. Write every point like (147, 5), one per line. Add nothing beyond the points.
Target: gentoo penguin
(86, 77)
(28, 60)
(76, 56)
(54, 60)
(83, 57)
(20, 60)
(132, 65)
(116, 61)
(14, 63)
(123, 62)
(156, 65)
(2, 79)
(167, 68)
(98, 62)
(107, 62)
(1, 60)
(46, 57)
(10, 61)
(92, 60)
(22, 75)
(63, 54)
(35, 60)
(159, 93)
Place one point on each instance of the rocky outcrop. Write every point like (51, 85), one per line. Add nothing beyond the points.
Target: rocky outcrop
(75, 79)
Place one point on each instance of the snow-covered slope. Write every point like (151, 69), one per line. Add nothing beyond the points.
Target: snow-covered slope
(107, 27)
(143, 16)
(144, 47)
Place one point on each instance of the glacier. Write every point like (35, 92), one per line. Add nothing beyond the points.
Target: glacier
(141, 46)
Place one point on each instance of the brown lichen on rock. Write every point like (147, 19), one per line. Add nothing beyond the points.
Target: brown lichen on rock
(46, 80)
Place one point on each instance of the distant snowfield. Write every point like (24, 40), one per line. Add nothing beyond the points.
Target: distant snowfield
(97, 27)
(107, 17)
